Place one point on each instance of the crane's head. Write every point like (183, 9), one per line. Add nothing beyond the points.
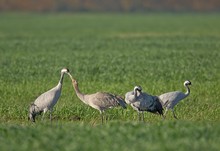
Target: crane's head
(138, 88)
(65, 70)
(32, 112)
(187, 82)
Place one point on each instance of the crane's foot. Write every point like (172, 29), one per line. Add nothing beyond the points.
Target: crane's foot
(139, 118)
(163, 117)
(143, 116)
(175, 117)
(102, 118)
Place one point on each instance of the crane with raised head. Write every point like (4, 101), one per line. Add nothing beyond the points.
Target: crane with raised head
(47, 100)
(170, 99)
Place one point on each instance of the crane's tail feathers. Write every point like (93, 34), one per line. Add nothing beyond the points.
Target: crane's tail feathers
(161, 102)
(166, 103)
(159, 105)
(33, 111)
(121, 102)
(160, 112)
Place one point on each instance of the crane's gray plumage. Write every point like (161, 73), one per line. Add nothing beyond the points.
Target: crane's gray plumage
(170, 99)
(130, 97)
(100, 100)
(141, 101)
(47, 100)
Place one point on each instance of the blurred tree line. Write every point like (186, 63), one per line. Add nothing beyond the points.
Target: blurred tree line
(110, 5)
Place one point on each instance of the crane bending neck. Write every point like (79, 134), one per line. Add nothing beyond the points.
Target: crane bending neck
(78, 93)
(135, 93)
(188, 90)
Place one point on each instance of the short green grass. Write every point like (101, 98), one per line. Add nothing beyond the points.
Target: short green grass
(112, 53)
(175, 135)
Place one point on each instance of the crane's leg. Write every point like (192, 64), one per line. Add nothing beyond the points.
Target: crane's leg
(165, 112)
(101, 116)
(43, 116)
(50, 116)
(174, 114)
(106, 117)
(142, 115)
(44, 111)
(139, 117)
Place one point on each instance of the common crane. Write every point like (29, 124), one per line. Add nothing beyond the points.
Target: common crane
(170, 99)
(47, 100)
(100, 100)
(141, 101)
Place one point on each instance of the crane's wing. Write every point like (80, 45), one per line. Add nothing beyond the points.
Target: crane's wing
(146, 99)
(157, 105)
(171, 98)
(136, 106)
(102, 100)
(149, 103)
(48, 99)
(121, 101)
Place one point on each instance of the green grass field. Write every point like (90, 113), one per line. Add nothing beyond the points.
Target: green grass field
(111, 53)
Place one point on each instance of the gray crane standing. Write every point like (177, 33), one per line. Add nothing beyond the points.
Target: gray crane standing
(170, 99)
(141, 102)
(100, 100)
(47, 100)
